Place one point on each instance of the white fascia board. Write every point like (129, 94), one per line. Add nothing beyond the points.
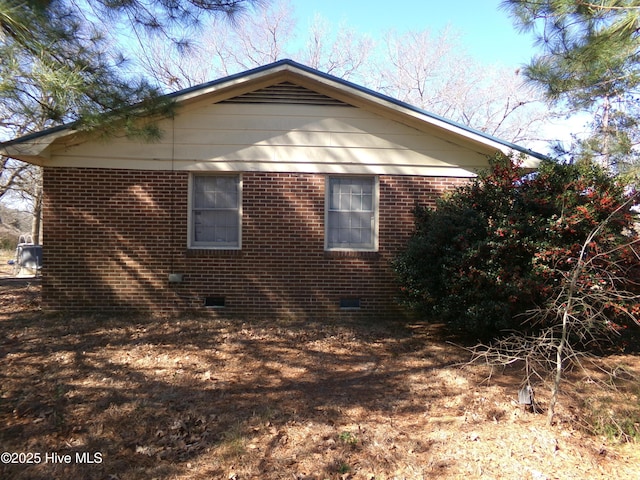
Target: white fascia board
(34, 150)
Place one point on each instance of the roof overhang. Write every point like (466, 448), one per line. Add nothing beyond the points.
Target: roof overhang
(34, 148)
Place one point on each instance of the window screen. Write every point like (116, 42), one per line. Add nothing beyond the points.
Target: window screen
(215, 211)
(351, 213)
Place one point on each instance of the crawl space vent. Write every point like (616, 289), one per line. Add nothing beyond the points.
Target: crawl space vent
(214, 302)
(349, 303)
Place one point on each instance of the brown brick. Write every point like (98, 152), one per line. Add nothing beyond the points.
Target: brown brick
(113, 236)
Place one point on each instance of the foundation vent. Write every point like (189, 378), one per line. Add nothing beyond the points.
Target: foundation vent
(349, 304)
(214, 302)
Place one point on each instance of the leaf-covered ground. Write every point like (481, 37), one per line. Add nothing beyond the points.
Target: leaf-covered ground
(206, 398)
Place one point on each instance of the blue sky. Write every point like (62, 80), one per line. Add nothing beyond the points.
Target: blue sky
(486, 31)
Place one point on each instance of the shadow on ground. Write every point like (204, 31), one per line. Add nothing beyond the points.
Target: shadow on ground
(151, 396)
(202, 397)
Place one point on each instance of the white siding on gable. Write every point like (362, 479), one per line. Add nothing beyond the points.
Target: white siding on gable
(281, 137)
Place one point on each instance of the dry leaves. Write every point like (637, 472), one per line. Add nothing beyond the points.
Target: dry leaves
(203, 398)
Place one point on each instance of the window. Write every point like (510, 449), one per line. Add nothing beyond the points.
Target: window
(351, 206)
(216, 211)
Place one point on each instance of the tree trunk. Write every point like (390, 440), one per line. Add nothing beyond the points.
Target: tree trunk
(36, 226)
(555, 388)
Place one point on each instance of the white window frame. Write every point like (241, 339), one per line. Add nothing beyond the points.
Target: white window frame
(191, 243)
(373, 246)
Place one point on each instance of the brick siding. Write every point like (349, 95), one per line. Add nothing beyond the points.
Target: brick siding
(111, 238)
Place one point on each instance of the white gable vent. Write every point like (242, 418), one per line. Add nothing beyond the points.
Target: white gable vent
(286, 92)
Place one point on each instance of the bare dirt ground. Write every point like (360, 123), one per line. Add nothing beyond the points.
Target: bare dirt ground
(202, 398)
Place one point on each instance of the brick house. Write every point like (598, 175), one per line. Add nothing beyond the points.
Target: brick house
(280, 191)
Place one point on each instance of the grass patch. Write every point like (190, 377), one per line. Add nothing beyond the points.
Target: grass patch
(234, 443)
(348, 438)
(618, 421)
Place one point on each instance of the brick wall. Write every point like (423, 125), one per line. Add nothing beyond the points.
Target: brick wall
(111, 237)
